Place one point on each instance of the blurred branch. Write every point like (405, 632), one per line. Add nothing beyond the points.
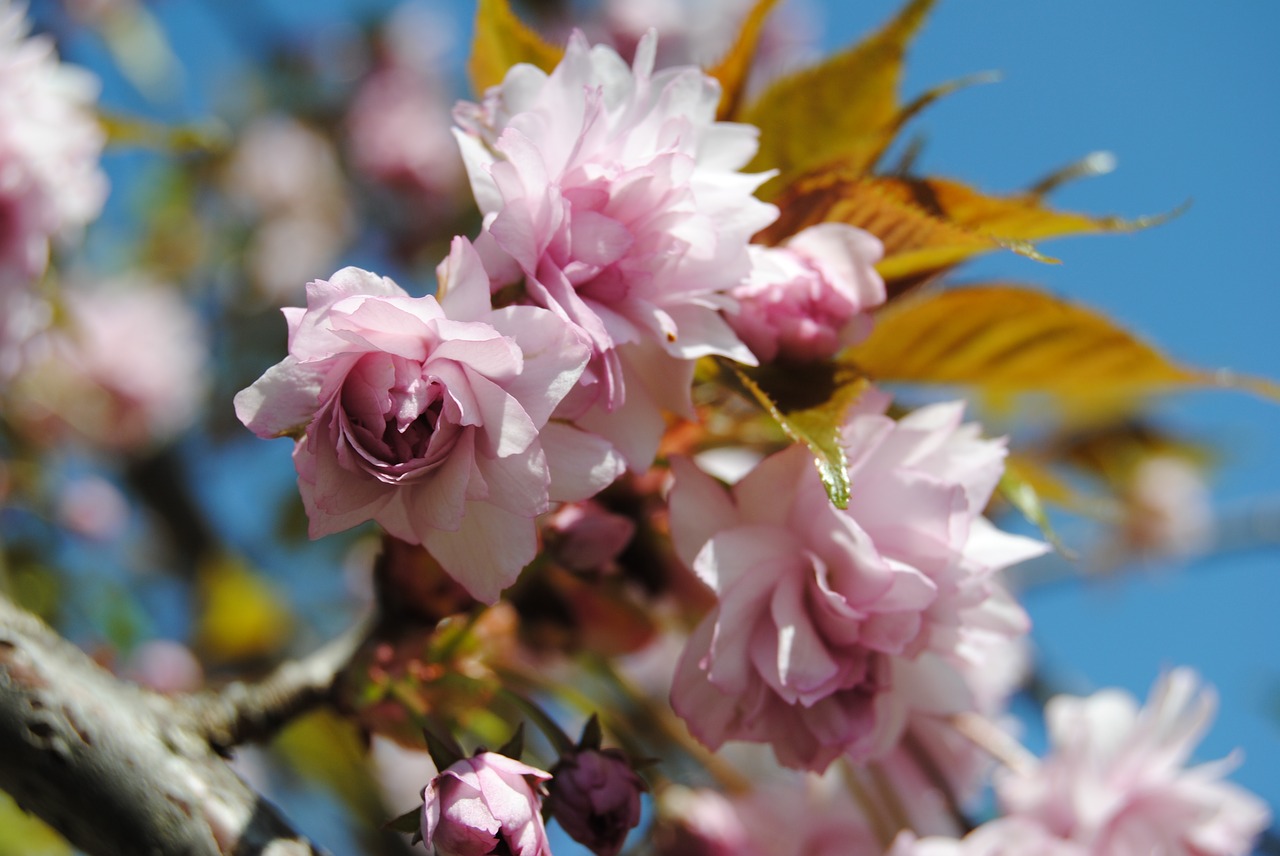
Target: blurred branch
(249, 712)
(117, 769)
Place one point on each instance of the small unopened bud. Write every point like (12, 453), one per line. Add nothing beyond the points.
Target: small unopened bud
(584, 537)
(595, 794)
(484, 804)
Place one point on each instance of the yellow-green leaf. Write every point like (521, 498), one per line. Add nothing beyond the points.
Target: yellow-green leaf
(929, 224)
(501, 41)
(242, 616)
(1019, 489)
(1008, 340)
(810, 404)
(1006, 219)
(844, 109)
(734, 67)
(915, 242)
(210, 137)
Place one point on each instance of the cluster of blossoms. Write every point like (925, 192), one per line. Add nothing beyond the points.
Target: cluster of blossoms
(50, 181)
(614, 253)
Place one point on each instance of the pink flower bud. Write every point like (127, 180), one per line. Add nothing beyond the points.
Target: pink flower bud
(595, 795)
(484, 803)
(808, 298)
(585, 537)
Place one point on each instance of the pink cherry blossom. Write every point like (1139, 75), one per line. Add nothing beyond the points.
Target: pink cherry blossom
(1010, 836)
(395, 137)
(805, 815)
(809, 297)
(613, 197)
(50, 142)
(698, 822)
(1115, 780)
(127, 370)
(832, 626)
(484, 803)
(50, 180)
(430, 417)
(587, 537)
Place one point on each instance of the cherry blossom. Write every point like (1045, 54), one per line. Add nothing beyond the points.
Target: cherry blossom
(1115, 780)
(50, 142)
(485, 804)
(128, 370)
(809, 297)
(832, 626)
(612, 197)
(430, 417)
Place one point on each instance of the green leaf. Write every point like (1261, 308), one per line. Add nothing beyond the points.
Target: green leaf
(409, 823)
(592, 735)
(501, 41)
(1019, 492)
(514, 747)
(844, 109)
(444, 749)
(560, 741)
(809, 403)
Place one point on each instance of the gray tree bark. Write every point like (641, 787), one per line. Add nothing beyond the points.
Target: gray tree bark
(120, 770)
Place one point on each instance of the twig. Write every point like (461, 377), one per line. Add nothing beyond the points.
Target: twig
(250, 712)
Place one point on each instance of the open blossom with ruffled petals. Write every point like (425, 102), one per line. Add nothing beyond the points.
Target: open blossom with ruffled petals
(485, 804)
(809, 297)
(430, 417)
(614, 198)
(832, 626)
(50, 142)
(1115, 780)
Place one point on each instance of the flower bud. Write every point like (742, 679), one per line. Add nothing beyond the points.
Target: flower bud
(586, 537)
(595, 794)
(483, 803)
(808, 298)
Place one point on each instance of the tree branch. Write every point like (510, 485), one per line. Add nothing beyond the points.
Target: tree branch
(119, 770)
(250, 712)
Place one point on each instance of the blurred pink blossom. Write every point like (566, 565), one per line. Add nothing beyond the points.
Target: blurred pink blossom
(50, 142)
(1011, 836)
(809, 297)
(93, 507)
(1168, 508)
(698, 822)
(129, 369)
(702, 31)
(613, 197)
(1115, 781)
(832, 626)
(50, 180)
(398, 132)
(430, 417)
(488, 803)
(285, 177)
(585, 536)
(805, 815)
(165, 666)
